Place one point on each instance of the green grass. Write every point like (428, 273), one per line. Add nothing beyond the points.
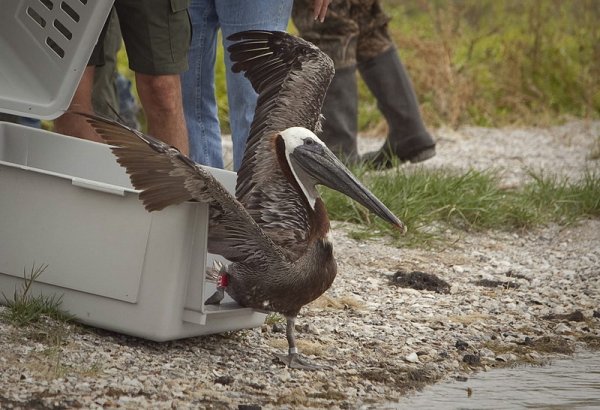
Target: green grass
(23, 308)
(564, 201)
(273, 318)
(430, 201)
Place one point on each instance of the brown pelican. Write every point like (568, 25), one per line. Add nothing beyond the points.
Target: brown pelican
(274, 232)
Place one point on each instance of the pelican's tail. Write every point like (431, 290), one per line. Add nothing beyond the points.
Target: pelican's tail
(215, 271)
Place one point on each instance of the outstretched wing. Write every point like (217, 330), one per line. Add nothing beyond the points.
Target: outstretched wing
(167, 177)
(291, 77)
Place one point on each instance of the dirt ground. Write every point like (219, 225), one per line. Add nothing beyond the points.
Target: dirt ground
(513, 297)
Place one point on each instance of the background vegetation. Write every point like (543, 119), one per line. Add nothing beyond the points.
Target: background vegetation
(490, 62)
(486, 62)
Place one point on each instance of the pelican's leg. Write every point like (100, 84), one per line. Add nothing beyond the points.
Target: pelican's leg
(293, 359)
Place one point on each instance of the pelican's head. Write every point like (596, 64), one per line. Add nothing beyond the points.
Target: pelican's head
(312, 163)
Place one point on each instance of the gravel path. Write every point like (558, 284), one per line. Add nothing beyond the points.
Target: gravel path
(380, 339)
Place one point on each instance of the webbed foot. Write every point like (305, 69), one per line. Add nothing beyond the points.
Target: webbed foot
(295, 361)
(216, 297)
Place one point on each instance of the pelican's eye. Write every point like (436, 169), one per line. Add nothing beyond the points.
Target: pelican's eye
(309, 141)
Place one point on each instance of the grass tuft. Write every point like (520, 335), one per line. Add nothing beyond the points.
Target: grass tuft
(273, 318)
(431, 201)
(563, 201)
(595, 150)
(24, 308)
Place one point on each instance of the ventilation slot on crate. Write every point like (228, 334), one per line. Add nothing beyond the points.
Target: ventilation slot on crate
(48, 4)
(63, 30)
(70, 12)
(36, 17)
(55, 47)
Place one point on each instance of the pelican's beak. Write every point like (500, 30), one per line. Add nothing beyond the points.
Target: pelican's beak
(318, 162)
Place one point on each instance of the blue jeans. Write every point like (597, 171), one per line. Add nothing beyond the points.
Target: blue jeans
(30, 122)
(198, 83)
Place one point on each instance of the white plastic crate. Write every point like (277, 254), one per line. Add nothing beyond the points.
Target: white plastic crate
(65, 202)
(44, 48)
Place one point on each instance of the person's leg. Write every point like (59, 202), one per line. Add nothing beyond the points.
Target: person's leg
(104, 93)
(198, 83)
(161, 99)
(157, 35)
(128, 106)
(236, 16)
(340, 110)
(384, 74)
(76, 125)
(337, 37)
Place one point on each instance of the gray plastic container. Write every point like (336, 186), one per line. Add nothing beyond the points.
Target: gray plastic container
(66, 203)
(44, 48)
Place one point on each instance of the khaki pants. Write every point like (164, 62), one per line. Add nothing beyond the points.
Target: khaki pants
(157, 35)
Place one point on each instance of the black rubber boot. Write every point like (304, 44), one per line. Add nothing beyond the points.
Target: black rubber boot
(340, 110)
(408, 139)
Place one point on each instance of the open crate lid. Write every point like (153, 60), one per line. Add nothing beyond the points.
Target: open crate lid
(45, 46)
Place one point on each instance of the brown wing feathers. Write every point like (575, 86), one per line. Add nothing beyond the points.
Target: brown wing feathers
(156, 169)
(291, 77)
(167, 177)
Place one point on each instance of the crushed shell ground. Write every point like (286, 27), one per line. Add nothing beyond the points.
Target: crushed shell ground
(381, 340)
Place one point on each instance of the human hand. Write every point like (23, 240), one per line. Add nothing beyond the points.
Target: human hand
(320, 9)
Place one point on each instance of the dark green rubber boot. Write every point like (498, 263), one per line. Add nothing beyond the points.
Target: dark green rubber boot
(408, 139)
(340, 110)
